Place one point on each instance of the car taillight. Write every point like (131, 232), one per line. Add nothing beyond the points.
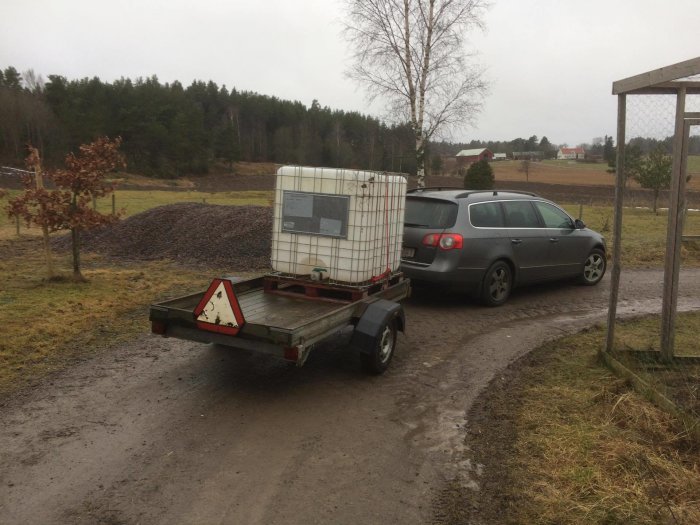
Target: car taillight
(451, 241)
(445, 241)
(432, 239)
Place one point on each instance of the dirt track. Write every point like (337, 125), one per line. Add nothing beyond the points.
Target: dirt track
(166, 431)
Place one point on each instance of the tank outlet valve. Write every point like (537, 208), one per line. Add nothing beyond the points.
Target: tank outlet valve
(319, 274)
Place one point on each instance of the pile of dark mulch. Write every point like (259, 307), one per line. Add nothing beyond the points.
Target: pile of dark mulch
(237, 237)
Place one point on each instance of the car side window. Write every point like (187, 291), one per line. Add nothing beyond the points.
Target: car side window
(520, 214)
(486, 215)
(553, 217)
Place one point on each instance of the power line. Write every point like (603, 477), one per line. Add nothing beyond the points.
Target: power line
(7, 170)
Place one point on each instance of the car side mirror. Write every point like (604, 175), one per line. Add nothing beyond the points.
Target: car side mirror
(579, 224)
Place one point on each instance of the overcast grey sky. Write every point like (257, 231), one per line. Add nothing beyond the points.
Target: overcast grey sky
(551, 63)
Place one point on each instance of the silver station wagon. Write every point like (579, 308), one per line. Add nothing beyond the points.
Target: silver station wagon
(488, 242)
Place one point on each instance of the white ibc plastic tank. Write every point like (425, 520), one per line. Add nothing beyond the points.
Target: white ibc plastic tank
(344, 225)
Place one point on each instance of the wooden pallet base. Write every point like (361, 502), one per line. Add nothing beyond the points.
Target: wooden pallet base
(320, 291)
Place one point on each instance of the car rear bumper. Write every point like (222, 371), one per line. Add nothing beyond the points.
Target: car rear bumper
(443, 272)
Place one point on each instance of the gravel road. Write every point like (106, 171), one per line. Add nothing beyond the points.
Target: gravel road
(167, 431)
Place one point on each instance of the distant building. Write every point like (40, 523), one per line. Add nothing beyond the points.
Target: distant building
(527, 155)
(468, 156)
(571, 154)
(499, 156)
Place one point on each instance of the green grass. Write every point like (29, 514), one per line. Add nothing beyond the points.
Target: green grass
(644, 234)
(693, 164)
(136, 201)
(45, 323)
(586, 448)
(567, 164)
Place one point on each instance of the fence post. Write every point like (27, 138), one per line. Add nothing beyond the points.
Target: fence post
(114, 204)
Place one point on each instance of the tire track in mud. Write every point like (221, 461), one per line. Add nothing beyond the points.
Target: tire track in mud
(457, 367)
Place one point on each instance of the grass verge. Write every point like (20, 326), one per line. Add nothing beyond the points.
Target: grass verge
(602, 454)
(45, 323)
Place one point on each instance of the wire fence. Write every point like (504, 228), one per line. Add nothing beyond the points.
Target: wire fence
(653, 148)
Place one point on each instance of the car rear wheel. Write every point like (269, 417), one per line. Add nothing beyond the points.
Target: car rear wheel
(497, 284)
(593, 268)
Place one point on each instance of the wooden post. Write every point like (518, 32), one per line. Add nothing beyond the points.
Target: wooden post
(114, 204)
(617, 223)
(39, 182)
(674, 231)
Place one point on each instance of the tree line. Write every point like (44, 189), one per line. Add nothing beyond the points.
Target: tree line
(168, 129)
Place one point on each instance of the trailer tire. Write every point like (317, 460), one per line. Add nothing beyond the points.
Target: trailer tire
(377, 361)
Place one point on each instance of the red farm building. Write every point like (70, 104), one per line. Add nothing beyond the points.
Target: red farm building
(468, 156)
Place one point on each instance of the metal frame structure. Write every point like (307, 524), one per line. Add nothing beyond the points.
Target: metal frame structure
(670, 80)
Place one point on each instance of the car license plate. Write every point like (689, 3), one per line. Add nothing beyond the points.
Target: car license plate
(407, 253)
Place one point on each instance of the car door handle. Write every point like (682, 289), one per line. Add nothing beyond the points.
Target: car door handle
(516, 241)
(553, 239)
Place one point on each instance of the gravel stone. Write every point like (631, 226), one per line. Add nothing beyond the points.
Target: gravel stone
(208, 235)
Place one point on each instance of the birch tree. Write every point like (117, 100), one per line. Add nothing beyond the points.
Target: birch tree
(412, 54)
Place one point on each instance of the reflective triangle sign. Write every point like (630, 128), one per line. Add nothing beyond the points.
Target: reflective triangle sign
(219, 311)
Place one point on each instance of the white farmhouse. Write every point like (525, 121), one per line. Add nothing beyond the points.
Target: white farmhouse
(571, 154)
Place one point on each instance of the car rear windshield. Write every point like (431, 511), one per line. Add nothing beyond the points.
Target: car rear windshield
(430, 213)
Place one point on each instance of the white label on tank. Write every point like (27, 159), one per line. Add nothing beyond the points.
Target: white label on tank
(330, 227)
(298, 205)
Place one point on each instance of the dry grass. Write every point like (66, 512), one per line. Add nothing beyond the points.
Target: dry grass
(136, 201)
(45, 323)
(255, 168)
(602, 454)
(141, 181)
(643, 234)
(574, 173)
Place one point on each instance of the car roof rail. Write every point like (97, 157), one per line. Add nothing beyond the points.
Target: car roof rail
(434, 188)
(531, 194)
(496, 192)
(467, 193)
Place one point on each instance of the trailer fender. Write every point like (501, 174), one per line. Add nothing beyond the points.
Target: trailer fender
(372, 322)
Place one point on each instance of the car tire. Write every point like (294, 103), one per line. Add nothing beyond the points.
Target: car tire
(497, 284)
(593, 268)
(377, 361)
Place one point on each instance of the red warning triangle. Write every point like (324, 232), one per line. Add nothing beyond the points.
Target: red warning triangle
(219, 311)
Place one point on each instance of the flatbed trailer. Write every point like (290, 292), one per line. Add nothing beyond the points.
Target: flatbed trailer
(286, 317)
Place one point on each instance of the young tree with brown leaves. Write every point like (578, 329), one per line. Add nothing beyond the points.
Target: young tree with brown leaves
(68, 207)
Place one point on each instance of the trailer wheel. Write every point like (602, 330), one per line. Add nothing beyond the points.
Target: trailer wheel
(377, 361)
